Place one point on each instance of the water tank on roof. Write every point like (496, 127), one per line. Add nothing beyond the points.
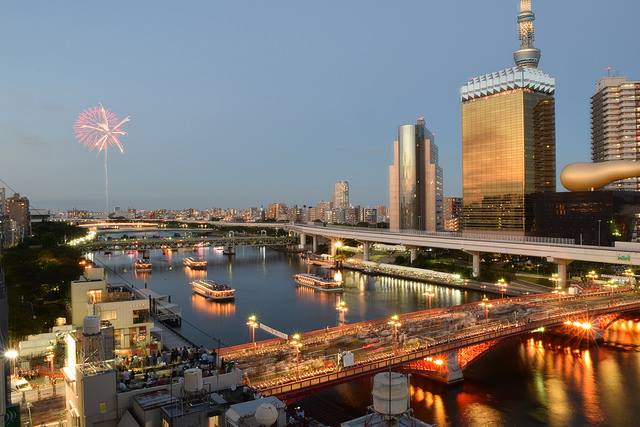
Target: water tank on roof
(91, 325)
(192, 380)
(266, 414)
(390, 393)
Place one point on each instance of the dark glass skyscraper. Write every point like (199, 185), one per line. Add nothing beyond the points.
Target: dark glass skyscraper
(508, 139)
(415, 180)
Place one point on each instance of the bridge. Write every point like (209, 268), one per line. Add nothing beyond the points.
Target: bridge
(144, 243)
(439, 343)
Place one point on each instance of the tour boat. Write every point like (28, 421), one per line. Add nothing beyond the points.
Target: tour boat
(195, 263)
(213, 291)
(319, 283)
(142, 265)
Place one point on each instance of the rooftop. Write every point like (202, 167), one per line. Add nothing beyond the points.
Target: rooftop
(508, 79)
(375, 419)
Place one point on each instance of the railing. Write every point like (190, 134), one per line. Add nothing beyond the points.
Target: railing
(228, 351)
(366, 368)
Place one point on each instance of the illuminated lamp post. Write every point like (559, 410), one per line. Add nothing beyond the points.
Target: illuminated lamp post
(502, 284)
(557, 288)
(628, 273)
(297, 345)
(486, 305)
(395, 324)
(252, 323)
(592, 276)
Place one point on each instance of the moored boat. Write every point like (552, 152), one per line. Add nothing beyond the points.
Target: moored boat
(212, 290)
(195, 263)
(318, 283)
(142, 265)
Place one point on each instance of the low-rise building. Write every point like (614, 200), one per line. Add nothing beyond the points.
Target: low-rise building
(127, 312)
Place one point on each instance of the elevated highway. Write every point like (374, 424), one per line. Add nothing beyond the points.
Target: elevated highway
(559, 251)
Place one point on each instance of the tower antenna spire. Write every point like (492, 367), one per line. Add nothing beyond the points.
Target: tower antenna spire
(528, 55)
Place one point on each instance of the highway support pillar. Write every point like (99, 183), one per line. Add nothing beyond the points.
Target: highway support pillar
(314, 243)
(334, 247)
(562, 270)
(413, 254)
(303, 241)
(476, 263)
(365, 251)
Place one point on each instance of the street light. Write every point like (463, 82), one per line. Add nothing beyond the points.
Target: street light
(592, 276)
(502, 284)
(557, 289)
(395, 324)
(611, 284)
(341, 308)
(12, 355)
(629, 273)
(297, 345)
(486, 305)
(429, 295)
(252, 323)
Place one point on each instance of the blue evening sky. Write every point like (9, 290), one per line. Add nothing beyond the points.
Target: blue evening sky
(240, 103)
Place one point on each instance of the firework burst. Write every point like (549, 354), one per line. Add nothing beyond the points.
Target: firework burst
(99, 129)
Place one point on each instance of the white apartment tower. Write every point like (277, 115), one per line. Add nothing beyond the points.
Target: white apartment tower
(341, 195)
(615, 125)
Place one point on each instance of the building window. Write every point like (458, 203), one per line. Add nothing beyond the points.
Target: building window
(94, 296)
(140, 316)
(109, 315)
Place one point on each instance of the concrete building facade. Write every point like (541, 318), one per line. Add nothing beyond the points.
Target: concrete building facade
(615, 125)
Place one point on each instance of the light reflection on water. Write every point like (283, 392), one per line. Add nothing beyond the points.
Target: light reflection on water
(265, 287)
(525, 382)
(528, 382)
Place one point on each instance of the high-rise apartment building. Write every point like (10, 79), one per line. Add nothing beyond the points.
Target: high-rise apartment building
(3, 222)
(508, 138)
(415, 180)
(341, 195)
(615, 125)
(277, 212)
(452, 210)
(16, 211)
(319, 212)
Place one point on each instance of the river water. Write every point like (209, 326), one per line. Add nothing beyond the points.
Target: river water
(523, 382)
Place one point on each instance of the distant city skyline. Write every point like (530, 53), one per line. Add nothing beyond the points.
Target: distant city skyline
(279, 108)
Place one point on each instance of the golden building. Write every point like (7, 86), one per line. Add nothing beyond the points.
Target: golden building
(508, 140)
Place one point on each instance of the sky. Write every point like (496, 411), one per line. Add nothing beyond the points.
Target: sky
(241, 103)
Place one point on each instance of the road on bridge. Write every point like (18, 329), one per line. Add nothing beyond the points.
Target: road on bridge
(275, 366)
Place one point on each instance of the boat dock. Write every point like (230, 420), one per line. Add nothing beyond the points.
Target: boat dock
(161, 308)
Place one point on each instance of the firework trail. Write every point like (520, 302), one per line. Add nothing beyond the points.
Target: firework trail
(99, 129)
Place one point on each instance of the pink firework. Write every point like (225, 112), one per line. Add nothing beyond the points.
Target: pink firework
(99, 128)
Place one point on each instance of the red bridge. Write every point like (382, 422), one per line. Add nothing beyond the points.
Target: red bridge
(439, 343)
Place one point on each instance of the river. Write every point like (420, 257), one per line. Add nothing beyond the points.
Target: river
(523, 382)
